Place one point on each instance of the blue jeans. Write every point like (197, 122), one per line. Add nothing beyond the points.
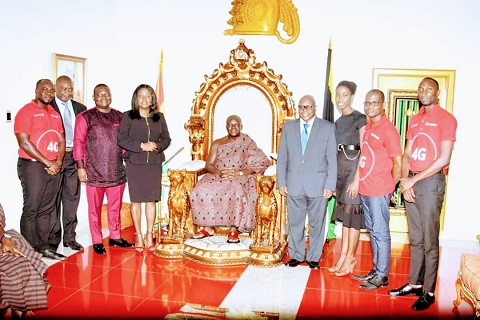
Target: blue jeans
(377, 218)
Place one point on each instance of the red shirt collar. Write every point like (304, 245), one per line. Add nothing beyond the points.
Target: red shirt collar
(378, 123)
(433, 110)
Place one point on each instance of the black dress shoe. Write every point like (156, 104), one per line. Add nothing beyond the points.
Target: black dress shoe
(119, 242)
(405, 290)
(376, 282)
(293, 263)
(74, 245)
(366, 277)
(99, 248)
(313, 264)
(423, 302)
(48, 253)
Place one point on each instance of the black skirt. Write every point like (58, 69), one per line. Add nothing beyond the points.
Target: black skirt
(144, 182)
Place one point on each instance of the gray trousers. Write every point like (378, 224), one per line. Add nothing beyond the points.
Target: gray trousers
(298, 208)
(423, 218)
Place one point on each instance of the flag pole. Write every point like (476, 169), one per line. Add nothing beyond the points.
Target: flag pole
(328, 108)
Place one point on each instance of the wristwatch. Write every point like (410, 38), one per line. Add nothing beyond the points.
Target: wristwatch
(240, 173)
(5, 236)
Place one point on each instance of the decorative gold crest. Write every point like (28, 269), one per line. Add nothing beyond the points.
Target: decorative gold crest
(260, 17)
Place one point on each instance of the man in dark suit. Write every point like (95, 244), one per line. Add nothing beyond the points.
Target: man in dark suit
(307, 175)
(69, 195)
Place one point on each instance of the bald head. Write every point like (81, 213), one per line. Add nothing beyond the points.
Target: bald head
(64, 88)
(234, 116)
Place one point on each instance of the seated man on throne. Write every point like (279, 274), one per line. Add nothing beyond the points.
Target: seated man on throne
(226, 195)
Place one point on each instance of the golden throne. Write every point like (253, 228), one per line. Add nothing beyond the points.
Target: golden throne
(231, 89)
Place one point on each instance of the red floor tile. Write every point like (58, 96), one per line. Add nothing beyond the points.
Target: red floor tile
(55, 296)
(123, 284)
(86, 304)
(328, 304)
(60, 274)
(155, 309)
(135, 283)
(194, 289)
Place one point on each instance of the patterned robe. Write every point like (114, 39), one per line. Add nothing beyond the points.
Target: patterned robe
(218, 202)
(23, 285)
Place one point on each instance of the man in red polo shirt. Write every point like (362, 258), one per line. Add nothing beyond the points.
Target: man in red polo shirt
(379, 171)
(39, 132)
(430, 138)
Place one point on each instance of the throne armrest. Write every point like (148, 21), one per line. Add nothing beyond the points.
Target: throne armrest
(192, 166)
(271, 170)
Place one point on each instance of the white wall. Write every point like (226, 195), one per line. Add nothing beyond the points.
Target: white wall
(122, 40)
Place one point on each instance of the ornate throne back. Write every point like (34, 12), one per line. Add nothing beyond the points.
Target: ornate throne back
(250, 90)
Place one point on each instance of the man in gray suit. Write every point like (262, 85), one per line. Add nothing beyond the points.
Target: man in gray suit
(69, 196)
(307, 175)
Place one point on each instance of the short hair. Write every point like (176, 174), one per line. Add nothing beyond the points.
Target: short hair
(100, 85)
(350, 85)
(40, 81)
(377, 91)
(436, 82)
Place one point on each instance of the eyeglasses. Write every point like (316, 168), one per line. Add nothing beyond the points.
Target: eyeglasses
(372, 103)
(306, 107)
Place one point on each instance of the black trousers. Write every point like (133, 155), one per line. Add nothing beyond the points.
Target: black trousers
(66, 203)
(423, 218)
(39, 196)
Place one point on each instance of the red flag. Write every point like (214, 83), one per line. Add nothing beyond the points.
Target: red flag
(159, 88)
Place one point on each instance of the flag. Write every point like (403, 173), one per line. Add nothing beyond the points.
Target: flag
(159, 88)
(328, 115)
(327, 100)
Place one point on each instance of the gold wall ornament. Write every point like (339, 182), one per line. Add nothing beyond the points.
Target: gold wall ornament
(260, 17)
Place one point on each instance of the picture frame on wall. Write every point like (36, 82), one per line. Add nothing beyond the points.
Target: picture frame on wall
(75, 68)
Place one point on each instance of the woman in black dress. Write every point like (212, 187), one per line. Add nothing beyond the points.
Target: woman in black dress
(349, 133)
(143, 134)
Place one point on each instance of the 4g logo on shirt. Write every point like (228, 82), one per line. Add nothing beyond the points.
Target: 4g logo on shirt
(52, 146)
(419, 154)
(48, 142)
(361, 162)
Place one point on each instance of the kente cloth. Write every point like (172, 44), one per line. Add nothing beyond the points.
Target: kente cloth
(219, 202)
(23, 285)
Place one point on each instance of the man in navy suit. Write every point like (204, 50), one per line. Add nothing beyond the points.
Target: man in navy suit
(307, 175)
(69, 195)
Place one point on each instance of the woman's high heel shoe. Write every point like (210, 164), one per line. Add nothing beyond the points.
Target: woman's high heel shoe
(337, 266)
(138, 242)
(347, 267)
(148, 240)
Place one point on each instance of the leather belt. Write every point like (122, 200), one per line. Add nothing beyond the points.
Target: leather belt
(31, 160)
(350, 147)
(414, 173)
(68, 149)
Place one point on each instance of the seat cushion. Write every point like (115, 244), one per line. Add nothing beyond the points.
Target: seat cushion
(470, 272)
(193, 165)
